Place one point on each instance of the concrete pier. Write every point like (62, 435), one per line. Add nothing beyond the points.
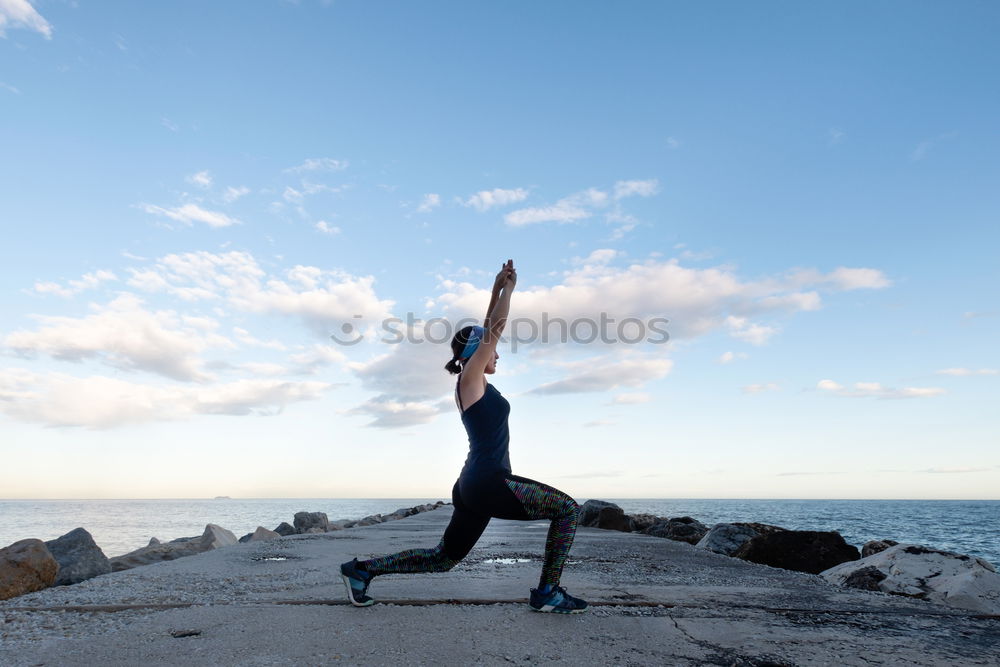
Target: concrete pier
(654, 601)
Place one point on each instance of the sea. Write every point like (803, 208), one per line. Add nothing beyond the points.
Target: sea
(119, 526)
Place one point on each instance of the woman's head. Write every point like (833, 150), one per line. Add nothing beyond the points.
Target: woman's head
(463, 345)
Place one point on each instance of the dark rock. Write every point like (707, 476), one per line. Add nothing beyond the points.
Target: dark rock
(727, 538)
(590, 509)
(246, 538)
(78, 556)
(214, 537)
(640, 522)
(284, 529)
(25, 567)
(875, 546)
(153, 542)
(682, 529)
(306, 520)
(867, 578)
(800, 550)
(613, 518)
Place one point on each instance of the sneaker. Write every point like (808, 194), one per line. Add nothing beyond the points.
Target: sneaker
(557, 601)
(357, 583)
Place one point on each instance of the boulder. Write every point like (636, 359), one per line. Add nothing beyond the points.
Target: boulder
(78, 556)
(640, 522)
(341, 524)
(874, 546)
(800, 550)
(213, 538)
(262, 534)
(682, 529)
(956, 580)
(26, 566)
(306, 520)
(727, 538)
(153, 542)
(590, 509)
(613, 518)
(285, 529)
(246, 538)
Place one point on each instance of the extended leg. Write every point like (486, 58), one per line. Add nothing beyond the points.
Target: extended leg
(541, 501)
(460, 536)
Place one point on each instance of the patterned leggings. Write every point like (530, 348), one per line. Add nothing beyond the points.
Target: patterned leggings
(476, 501)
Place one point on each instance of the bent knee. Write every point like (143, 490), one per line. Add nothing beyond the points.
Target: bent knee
(571, 508)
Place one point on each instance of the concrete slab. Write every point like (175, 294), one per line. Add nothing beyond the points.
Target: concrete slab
(654, 602)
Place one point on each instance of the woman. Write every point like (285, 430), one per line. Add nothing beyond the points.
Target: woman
(486, 488)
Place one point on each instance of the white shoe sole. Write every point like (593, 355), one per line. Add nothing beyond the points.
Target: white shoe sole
(350, 593)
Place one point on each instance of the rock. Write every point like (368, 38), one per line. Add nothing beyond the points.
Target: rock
(956, 580)
(640, 522)
(800, 550)
(213, 538)
(78, 556)
(284, 529)
(875, 546)
(26, 566)
(341, 524)
(867, 578)
(727, 538)
(306, 520)
(682, 529)
(590, 509)
(246, 538)
(153, 542)
(262, 534)
(613, 518)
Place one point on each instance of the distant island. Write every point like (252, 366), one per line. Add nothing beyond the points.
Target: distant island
(223, 498)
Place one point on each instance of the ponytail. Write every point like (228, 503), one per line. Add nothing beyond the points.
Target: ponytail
(453, 366)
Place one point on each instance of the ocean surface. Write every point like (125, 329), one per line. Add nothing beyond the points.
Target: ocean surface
(119, 526)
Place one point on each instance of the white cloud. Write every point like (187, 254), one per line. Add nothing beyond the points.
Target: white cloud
(327, 228)
(100, 402)
(74, 287)
(232, 194)
(389, 413)
(743, 329)
(842, 278)
(20, 14)
(321, 298)
(595, 375)
(696, 301)
(760, 388)
(429, 203)
(9, 88)
(631, 398)
(729, 357)
(245, 337)
(950, 471)
(836, 136)
(568, 209)
(320, 164)
(191, 213)
(487, 199)
(876, 390)
(202, 179)
(124, 335)
(636, 188)
(964, 372)
(169, 124)
(673, 143)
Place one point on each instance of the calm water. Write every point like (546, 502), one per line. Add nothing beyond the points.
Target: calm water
(119, 526)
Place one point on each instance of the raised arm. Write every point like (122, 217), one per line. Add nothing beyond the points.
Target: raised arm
(496, 320)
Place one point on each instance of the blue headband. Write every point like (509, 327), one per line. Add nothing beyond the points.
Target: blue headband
(474, 339)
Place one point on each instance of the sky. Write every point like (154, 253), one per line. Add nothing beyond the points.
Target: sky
(235, 236)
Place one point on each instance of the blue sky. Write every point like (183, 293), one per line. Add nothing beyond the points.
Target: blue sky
(196, 195)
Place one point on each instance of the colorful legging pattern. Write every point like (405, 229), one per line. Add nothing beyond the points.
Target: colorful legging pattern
(477, 500)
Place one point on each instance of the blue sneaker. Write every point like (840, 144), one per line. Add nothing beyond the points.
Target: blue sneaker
(556, 601)
(357, 583)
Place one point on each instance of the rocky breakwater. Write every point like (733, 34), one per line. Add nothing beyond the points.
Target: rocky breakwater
(32, 565)
(920, 572)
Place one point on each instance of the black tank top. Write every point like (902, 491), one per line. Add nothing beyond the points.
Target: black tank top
(489, 437)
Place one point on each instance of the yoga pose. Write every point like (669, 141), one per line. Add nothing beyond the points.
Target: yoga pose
(486, 487)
